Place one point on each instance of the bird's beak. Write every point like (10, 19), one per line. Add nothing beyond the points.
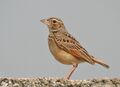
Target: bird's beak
(45, 21)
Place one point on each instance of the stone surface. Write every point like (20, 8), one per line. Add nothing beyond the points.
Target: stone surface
(57, 82)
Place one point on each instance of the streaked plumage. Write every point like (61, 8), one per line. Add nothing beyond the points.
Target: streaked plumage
(65, 48)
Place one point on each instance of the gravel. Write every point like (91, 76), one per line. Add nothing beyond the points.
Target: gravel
(58, 82)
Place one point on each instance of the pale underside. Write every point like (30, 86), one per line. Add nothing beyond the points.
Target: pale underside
(61, 55)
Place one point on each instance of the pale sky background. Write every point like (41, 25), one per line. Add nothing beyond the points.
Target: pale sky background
(23, 39)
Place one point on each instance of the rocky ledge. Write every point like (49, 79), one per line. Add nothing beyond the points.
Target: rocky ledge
(57, 82)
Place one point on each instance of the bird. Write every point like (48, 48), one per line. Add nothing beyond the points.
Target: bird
(65, 48)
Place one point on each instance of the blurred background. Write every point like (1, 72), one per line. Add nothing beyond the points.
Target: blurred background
(23, 38)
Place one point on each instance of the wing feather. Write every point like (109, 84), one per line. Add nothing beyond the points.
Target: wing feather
(69, 44)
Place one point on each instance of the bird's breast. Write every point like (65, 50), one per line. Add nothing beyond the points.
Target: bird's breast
(60, 55)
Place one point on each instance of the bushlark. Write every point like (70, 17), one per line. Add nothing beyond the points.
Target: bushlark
(65, 48)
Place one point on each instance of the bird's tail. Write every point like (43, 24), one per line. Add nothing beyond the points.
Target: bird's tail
(101, 63)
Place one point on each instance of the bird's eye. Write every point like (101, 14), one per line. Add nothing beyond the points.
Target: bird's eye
(54, 21)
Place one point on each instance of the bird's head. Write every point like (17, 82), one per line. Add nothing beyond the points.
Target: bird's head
(53, 23)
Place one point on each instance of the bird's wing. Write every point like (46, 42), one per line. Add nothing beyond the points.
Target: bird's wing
(69, 44)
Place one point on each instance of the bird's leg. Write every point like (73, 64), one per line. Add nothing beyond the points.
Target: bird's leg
(71, 71)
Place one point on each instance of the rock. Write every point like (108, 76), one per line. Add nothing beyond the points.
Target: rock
(57, 82)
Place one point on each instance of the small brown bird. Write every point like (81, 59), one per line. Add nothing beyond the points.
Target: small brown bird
(65, 48)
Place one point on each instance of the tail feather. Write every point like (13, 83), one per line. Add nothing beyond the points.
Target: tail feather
(101, 63)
